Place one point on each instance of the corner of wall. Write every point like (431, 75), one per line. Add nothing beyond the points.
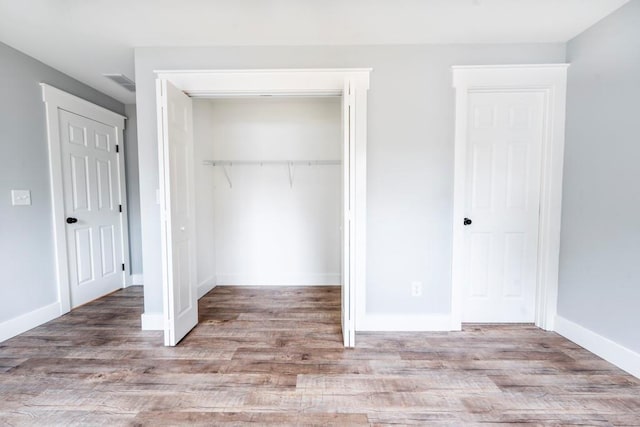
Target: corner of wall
(12, 327)
(152, 322)
(205, 286)
(136, 280)
(624, 358)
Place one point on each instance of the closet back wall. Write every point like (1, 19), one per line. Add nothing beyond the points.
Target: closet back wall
(262, 230)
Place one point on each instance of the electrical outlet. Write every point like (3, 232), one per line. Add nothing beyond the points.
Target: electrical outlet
(416, 289)
(20, 197)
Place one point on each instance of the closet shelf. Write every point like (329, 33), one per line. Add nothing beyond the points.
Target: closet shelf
(291, 164)
(271, 162)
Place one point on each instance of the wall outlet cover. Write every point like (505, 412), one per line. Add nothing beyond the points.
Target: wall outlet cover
(21, 197)
(416, 289)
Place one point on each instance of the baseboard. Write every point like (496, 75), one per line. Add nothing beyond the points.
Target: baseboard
(206, 285)
(12, 327)
(152, 321)
(284, 280)
(403, 322)
(624, 358)
(137, 280)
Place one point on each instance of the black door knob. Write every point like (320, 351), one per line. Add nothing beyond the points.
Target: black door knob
(467, 221)
(71, 220)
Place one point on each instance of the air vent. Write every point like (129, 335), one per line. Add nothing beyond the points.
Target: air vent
(123, 81)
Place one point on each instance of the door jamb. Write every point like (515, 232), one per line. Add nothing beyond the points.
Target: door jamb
(56, 100)
(549, 79)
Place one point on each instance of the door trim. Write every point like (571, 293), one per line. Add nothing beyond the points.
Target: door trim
(298, 82)
(550, 80)
(56, 100)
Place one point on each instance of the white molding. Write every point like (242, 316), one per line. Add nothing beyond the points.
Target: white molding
(17, 325)
(253, 71)
(206, 285)
(359, 227)
(208, 83)
(619, 355)
(152, 321)
(136, 279)
(284, 280)
(200, 83)
(165, 218)
(403, 323)
(53, 95)
(508, 66)
(549, 79)
(56, 100)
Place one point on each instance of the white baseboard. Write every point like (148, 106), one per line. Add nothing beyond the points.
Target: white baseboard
(12, 327)
(610, 351)
(403, 322)
(152, 321)
(206, 285)
(284, 280)
(137, 280)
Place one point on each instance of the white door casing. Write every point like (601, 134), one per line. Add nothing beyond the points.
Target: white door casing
(348, 202)
(305, 82)
(90, 178)
(177, 212)
(504, 142)
(489, 105)
(62, 110)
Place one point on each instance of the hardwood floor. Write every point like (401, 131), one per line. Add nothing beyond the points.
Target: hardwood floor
(273, 356)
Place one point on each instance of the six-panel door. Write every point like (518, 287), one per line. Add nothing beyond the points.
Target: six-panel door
(178, 199)
(504, 142)
(92, 207)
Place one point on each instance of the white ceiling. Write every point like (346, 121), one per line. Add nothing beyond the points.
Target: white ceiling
(86, 38)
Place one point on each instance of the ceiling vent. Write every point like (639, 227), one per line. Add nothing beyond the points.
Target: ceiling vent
(123, 81)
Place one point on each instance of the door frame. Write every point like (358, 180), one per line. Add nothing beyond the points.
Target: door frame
(295, 82)
(550, 80)
(56, 100)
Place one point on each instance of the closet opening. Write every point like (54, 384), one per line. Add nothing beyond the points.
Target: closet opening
(268, 207)
(261, 190)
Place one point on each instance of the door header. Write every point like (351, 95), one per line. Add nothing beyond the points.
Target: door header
(294, 82)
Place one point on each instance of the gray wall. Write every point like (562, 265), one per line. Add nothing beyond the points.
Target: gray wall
(600, 241)
(133, 188)
(410, 154)
(27, 278)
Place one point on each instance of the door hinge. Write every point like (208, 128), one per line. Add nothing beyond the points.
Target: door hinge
(120, 208)
(117, 148)
(122, 266)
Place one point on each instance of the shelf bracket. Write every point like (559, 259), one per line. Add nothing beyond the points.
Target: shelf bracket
(227, 174)
(291, 173)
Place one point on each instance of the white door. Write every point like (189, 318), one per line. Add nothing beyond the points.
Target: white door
(348, 182)
(92, 206)
(504, 142)
(177, 210)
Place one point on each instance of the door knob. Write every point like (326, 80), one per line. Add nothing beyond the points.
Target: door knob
(467, 221)
(72, 220)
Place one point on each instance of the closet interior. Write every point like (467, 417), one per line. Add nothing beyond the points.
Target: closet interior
(268, 191)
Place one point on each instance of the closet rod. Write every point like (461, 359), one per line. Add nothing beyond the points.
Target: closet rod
(291, 164)
(271, 162)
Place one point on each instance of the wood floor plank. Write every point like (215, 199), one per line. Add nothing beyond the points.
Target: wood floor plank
(64, 418)
(396, 383)
(243, 418)
(274, 356)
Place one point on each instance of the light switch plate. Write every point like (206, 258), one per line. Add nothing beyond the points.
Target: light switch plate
(416, 289)
(21, 197)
